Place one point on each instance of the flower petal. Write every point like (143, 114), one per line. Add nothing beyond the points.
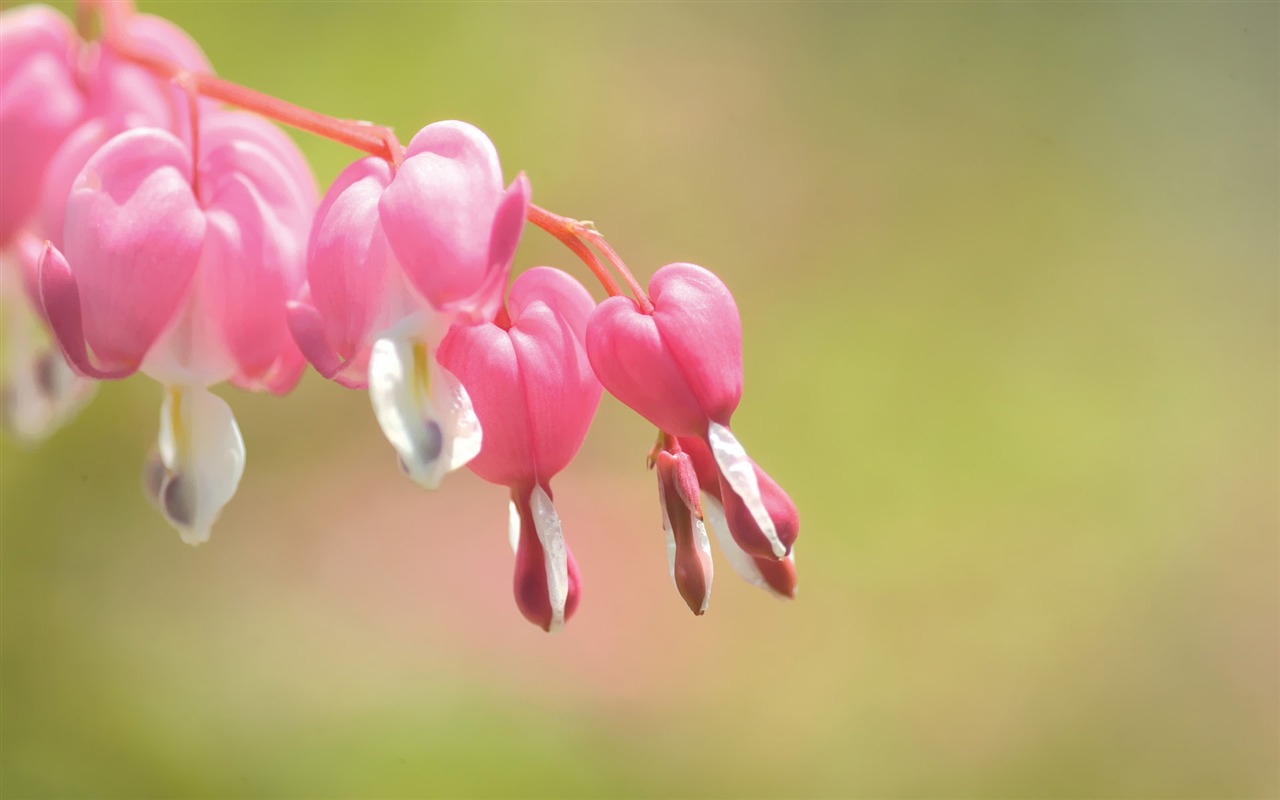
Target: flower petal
(40, 390)
(513, 527)
(778, 578)
(427, 418)
(133, 235)
(633, 362)
(555, 553)
(688, 550)
(259, 196)
(60, 305)
(739, 473)
(349, 263)
(203, 457)
(546, 584)
(508, 224)
(307, 328)
(39, 106)
(439, 211)
(561, 393)
(699, 322)
(532, 387)
(60, 177)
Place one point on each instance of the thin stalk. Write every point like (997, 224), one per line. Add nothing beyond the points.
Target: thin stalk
(372, 139)
(565, 230)
(594, 237)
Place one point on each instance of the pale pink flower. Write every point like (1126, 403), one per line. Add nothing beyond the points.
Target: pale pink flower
(395, 257)
(535, 396)
(60, 100)
(182, 271)
(680, 367)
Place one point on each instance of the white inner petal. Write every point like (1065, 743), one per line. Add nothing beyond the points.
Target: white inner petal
(742, 563)
(427, 418)
(192, 350)
(740, 473)
(513, 527)
(555, 554)
(702, 543)
(203, 456)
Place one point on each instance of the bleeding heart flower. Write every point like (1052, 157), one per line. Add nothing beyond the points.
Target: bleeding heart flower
(777, 576)
(60, 100)
(395, 257)
(535, 395)
(680, 367)
(182, 272)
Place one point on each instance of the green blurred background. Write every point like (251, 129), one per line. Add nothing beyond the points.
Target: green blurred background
(1008, 275)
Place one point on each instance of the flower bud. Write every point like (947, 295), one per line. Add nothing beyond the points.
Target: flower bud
(688, 550)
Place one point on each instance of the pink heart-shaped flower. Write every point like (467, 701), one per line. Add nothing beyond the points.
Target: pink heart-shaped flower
(680, 367)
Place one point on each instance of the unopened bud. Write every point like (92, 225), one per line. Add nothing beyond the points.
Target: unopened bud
(688, 550)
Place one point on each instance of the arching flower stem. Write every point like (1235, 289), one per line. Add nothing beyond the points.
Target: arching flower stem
(572, 233)
(594, 237)
(372, 139)
(376, 140)
(568, 232)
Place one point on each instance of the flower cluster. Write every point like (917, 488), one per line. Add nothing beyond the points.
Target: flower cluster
(147, 227)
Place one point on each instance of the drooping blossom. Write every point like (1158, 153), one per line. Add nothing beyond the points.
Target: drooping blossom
(178, 264)
(152, 232)
(61, 99)
(535, 395)
(777, 576)
(396, 256)
(680, 367)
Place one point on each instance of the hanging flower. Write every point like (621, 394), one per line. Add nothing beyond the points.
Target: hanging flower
(396, 256)
(535, 395)
(680, 367)
(63, 98)
(178, 264)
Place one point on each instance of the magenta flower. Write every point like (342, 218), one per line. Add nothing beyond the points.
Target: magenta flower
(681, 368)
(535, 396)
(182, 272)
(396, 256)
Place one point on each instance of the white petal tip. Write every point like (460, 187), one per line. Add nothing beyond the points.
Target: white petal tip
(200, 463)
(194, 538)
(555, 553)
(740, 473)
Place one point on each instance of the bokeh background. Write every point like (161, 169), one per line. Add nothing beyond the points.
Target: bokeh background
(1008, 274)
